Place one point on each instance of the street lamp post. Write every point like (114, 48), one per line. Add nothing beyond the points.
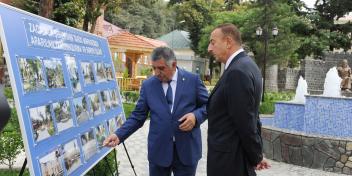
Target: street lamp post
(259, 32)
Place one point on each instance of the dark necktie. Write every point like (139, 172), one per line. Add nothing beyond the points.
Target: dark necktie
(169, 95)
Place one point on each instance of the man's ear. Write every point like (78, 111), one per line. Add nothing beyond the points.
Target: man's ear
(229, 42)
(174, 64)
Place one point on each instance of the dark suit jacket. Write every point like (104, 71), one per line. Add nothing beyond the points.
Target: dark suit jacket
(234, 141)
(191, 96)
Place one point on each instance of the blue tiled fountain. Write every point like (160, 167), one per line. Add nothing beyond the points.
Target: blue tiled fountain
(314, 133)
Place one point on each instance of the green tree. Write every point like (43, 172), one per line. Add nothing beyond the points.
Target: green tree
(149, 18)
(31, 6)
(10, 146)
(229, 4)
(324, 33)
(11, 143)
(196, 14)
(248, 17)
(69, 12)
(329, 11)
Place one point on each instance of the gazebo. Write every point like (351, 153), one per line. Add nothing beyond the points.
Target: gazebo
(130, 52)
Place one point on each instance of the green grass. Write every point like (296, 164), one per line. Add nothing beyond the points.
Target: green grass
(128, 108)
(13, 173)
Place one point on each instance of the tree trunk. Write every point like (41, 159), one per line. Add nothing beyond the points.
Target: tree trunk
(46, 8)
(88, 15)
(94, 23)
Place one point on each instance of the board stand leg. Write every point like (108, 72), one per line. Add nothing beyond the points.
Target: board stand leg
(23, 167)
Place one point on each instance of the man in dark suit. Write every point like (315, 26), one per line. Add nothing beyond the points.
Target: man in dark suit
(234, 141)
(176, 101)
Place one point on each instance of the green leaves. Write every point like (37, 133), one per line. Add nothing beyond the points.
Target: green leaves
(247, 17)
(10, 146)
(68, 13)
(196, 14)
(148, 18)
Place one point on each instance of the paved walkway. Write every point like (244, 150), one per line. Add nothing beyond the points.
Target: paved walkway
(137, 148)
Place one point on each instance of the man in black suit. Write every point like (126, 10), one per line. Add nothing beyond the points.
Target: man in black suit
(234, 141)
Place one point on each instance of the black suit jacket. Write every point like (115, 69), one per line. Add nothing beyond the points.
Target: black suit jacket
(234, 141)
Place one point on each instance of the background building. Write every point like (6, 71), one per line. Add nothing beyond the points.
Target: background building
(179, 41)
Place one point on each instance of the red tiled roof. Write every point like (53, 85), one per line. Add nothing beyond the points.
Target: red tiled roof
(127, 39)
(110, 29)
(154, 42)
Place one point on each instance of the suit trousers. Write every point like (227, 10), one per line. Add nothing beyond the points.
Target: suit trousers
(176, 167)
(229, 163)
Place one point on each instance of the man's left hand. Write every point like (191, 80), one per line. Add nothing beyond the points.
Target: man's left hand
(188, 122)
(264, 164)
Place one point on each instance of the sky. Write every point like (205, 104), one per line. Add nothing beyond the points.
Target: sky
(309, 3)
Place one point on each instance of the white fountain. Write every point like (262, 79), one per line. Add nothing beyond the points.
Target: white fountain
(301, 91)
(332, 84)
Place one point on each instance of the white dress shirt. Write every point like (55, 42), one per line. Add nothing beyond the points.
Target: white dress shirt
(232, 57)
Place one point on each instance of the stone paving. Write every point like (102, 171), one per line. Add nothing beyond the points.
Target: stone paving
(137, 149)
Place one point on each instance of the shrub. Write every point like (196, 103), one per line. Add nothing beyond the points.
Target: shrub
(8, 93)
(105, 167)
(10, 139)
(10, 146)
(130, 96)
(268, 106)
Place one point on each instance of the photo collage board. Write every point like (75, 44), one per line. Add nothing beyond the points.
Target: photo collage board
(66, 94)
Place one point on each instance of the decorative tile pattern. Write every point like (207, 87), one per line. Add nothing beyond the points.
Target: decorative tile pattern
(320, 115)
(289, 116)
(328, 116)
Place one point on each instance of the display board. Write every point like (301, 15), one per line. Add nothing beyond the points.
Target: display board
(65, 90)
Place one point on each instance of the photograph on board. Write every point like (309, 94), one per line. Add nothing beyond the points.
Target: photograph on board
(32, 74)
(54, 73)
(63, 115)
(101, 135)
(95, 104)
(73, 71)
(89, 144)
(87, 70)
(99, 67)
(108, 71)
(114, 98)
(112, 125)
(81, 109)
(72, 156)
(105, 96)
(119, 120)
(50, 164)
(42, 122)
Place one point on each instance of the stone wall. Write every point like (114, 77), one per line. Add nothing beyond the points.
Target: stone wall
(317, 152)
(315, 71)
(288, 78)
(271, 75)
